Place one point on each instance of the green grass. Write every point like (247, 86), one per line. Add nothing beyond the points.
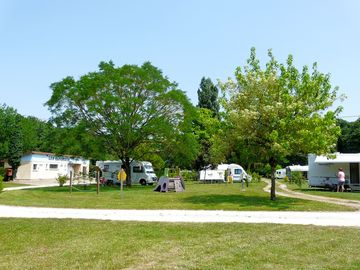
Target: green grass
(82, 244)
(325, 192)
(12, 184)
(196, 196)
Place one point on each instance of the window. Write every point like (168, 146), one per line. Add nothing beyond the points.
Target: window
(238, 171)
(137, 169)
(54, 166)
(35, 167)
(106, 168)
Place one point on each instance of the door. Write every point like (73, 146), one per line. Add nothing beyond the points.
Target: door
(354, 173)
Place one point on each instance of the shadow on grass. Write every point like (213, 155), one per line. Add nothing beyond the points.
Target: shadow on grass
(91, 188)
(281, 203)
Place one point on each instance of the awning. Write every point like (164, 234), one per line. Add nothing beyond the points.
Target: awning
(340, 158)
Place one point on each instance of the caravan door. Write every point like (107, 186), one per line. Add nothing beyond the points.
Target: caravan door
(354, 176)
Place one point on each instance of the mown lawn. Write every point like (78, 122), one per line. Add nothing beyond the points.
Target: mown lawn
(12, 184)
(196, 196)
(83, 244)
(355, 195)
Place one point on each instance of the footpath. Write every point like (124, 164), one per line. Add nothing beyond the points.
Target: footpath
(199, 216)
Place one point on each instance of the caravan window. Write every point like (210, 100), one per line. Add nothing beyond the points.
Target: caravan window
(106, 168)
(54, 166)
(137, 169)
(238, 171)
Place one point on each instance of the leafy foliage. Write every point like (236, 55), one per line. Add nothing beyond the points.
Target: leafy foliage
(349, 141)
(208, 96)
(128, 110)
(279, 111)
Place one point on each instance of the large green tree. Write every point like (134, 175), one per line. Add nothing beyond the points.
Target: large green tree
(129, 110)
(11, 139)
(278, 111)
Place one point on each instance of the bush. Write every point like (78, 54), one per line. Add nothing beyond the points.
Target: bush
(255, 177)
(62, 179)
(297, 178)
(189, 175)
(286, 179)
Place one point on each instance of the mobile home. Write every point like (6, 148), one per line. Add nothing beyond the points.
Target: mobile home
(297, 168)
(44, 166)
(323, 170)
(142, 172)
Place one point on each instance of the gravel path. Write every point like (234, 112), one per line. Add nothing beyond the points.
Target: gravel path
(200, 216)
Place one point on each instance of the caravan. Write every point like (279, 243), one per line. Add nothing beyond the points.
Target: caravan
(142, 172)
(323, 170)
(218, 175)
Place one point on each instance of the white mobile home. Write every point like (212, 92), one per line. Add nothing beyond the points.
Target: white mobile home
(142, 172)
(41, 166)
(323, 170)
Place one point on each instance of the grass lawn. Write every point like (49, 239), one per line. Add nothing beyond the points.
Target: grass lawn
(82, 244)
(325, 192)
(196, 196)
(12, 184)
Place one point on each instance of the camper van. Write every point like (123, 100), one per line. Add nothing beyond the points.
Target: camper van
(142, 172)
(323, 170)
(218, 175)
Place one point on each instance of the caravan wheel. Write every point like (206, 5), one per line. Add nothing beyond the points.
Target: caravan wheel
(142, 182)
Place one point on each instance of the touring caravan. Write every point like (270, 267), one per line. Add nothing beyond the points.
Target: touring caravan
(142, 172)
(280, 173)
(218, 175)
(323, 170)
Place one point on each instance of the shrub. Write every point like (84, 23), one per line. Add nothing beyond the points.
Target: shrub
(298, 178)
(286, 179)
(189, 175)
(255, 177)
(62, 179)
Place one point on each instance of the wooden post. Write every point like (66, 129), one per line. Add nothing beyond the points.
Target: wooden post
(121, 187)
(97, 182)
(71, 176)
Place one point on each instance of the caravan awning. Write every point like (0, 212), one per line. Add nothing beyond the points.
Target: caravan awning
(340, 158)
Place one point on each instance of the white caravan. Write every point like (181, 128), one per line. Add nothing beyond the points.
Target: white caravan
(218, 175)
(142, 172)
(297, 168)
(280, 173)
(323, 170)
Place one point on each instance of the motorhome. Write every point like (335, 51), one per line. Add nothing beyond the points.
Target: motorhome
(218, 174)
(323, 170)
(142, 172)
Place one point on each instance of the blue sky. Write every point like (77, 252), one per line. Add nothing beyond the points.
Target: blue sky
(44, 41)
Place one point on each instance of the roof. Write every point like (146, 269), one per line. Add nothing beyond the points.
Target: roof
(298, 168)
(339, 158)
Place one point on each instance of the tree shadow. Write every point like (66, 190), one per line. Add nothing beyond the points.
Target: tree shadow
(240, 202)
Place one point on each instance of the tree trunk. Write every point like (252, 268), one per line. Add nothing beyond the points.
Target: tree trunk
(128, 171)
(273, 183)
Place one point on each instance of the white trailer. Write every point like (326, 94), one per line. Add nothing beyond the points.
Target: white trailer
(297, 168)
(218, 175)
(280, 173)
(323, 170)
(142, 172)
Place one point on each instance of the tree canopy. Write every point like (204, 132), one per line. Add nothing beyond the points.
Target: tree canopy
(131, 110)
(208, 96)
(278, 111)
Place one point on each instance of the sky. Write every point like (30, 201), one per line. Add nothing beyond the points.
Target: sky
(44, 41)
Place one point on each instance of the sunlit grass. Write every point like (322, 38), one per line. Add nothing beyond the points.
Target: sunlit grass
(82, 244)
(196, 196)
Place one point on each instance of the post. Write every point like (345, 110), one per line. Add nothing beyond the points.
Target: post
(121, 187)
(71, 176)
(97, 182)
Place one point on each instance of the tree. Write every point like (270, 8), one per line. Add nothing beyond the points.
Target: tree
(279, 111)
(349, 141)
(208, 96)
(128, 110)
(10, 137)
